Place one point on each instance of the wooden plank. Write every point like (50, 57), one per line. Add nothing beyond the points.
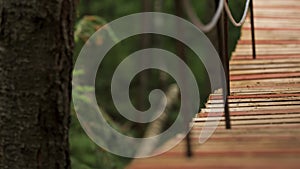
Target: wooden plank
(296, 29)
(251, 108)
(266, 61)
(279, 89)
(258, 57)
(256, 122)
(265, 71)
(250, 112)
(270, 35)
(264, 76)
(268, 46)
(253, 117)
(247, 100)
(260, 67)
(279, 6)
(268, 16)
(274, 81)
(269, 42)
(254, 104)
(267, 52)
(251, 127)
(268, 86)
(255, 96)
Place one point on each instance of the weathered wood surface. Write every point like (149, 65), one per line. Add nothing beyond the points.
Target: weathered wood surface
(264, 102)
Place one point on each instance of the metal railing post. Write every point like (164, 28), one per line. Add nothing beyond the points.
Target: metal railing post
(182, 54)
(252, 30)
(226, 63)
(223, 52)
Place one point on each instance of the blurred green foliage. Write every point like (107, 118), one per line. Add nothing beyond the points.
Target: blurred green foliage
(92, 15)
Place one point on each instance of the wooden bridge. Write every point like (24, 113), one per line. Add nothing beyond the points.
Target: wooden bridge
(264, 102)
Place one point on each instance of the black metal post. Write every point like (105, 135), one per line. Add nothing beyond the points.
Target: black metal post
(252, 30)
(223, 52)
(180, 48)
(226, 67)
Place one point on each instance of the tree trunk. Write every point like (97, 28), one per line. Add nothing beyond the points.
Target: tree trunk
(36, 44)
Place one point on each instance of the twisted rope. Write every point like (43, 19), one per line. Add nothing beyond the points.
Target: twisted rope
(208, 27)
(195, 20)
(234, 22)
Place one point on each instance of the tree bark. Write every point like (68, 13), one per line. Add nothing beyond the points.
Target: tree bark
(36, 45)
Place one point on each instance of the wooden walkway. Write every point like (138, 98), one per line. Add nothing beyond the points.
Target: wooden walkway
(264, 101)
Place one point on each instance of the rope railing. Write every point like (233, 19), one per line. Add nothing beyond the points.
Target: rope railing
(208, 27)
(229, 14)
(195, 19)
